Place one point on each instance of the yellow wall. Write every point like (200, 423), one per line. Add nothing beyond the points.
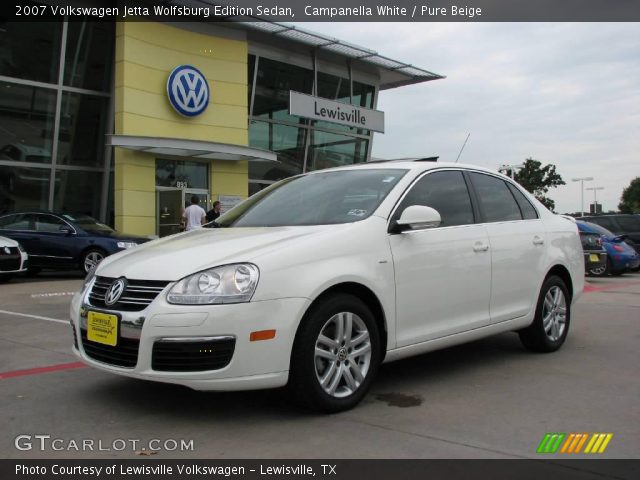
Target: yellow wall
(145, 55)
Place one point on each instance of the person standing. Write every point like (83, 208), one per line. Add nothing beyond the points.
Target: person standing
(194, 215)
(214, 213)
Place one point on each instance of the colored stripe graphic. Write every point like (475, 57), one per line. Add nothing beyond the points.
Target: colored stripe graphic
(573, 443)
(550, 442)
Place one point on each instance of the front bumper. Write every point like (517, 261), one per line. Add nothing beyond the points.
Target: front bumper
(253, 365)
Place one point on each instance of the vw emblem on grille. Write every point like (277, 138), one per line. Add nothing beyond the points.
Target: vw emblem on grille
(7, 250)
(115, 291)
(188, 90)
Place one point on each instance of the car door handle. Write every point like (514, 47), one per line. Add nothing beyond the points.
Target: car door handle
(480, 247)
(538, 240)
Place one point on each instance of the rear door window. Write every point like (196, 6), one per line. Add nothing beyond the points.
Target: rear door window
(496, 200)
(528, 211)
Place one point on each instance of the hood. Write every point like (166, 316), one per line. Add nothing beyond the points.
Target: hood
(7, 242)
(174, 257)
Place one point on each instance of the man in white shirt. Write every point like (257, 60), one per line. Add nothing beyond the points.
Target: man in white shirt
(194, 215)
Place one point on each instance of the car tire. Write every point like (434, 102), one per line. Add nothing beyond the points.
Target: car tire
(91, 258)
(336, 354)
(551, 323)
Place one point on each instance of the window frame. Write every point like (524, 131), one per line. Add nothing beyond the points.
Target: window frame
(474, 208)
(483, 217)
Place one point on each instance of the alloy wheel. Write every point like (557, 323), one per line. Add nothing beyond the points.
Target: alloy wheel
(342, 354)
(554, 313)
(91, 260)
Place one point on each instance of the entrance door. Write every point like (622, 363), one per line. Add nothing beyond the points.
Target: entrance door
(169, 211)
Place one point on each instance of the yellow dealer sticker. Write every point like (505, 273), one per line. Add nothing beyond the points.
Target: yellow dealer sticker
(102, 328)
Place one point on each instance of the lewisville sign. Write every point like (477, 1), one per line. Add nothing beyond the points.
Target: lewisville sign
(317, 108)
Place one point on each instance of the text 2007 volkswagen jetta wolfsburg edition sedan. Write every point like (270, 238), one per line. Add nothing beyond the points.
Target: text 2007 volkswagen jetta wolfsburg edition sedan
(316, 280)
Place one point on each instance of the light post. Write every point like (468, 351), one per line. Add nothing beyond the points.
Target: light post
(582, 180)
(595, 198)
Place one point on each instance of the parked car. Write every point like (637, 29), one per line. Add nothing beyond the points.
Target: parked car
(64, 240)
(314, 281)
(13, 258)
(621, 257)
(595, 255)
(620, 224)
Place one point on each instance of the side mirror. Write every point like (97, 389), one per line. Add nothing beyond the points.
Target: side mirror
(66, 230)
(418, 217)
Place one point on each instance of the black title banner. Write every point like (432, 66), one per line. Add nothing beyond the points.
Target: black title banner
(320, 469)
(325, 10)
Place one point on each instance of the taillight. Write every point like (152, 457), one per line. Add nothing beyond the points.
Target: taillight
(599, 242)
(618, 248)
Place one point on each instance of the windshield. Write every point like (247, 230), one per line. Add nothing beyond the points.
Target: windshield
(601, 230)
(88, 223)
(324, 198)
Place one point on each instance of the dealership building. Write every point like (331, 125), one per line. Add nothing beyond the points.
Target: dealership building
(126, 121)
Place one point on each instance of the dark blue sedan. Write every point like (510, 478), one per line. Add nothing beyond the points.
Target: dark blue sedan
(64, 241)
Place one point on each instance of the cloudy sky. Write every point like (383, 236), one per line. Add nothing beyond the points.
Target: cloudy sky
(562, 93)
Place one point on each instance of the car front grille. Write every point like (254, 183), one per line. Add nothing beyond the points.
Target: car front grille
(124, 354)
(137, 295)
(192, 356)
(10, 261)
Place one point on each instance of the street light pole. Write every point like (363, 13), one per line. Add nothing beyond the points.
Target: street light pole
(582, 180)
(595, 198)
(511, 168)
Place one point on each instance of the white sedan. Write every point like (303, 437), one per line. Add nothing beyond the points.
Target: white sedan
(13, 258)
(318, 279)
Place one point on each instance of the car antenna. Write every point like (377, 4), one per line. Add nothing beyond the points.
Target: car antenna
(465, 142)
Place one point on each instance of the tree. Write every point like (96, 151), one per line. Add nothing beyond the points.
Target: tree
(630, 201)
(538, 180)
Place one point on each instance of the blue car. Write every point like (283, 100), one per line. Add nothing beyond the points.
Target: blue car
(64, 241)
(621, 257)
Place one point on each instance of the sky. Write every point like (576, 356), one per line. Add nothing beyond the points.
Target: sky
(561, 93)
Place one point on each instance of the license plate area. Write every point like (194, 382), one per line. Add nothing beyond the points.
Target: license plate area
(102, 328)
(594, 257)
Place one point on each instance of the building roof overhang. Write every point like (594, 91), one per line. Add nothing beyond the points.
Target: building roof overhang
(190, 149)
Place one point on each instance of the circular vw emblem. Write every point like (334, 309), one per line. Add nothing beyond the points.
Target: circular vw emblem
(188, 90)
(7, 250)
(115, 291)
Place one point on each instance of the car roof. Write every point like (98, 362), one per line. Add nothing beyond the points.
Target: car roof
(414, 164)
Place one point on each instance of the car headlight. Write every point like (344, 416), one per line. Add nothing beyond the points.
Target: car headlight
(227, 284)
(127, 244)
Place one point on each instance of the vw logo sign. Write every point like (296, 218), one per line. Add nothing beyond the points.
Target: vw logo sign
(7, 250)
(115, 291)
(188, 90)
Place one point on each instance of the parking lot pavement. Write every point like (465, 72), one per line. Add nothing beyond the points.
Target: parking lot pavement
(488, 399)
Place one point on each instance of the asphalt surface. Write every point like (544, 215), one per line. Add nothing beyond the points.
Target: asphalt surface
(487, 399)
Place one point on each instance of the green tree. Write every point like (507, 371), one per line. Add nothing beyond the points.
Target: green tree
(538, 180)
(630, 201)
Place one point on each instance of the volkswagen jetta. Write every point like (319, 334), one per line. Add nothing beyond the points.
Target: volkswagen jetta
(318, 279)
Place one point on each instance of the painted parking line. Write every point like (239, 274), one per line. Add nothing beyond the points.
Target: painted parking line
(53, 294)
(39, 370)
(36, 317)
(588, 287)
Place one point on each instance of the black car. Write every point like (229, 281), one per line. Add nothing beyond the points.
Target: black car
(620, 224)
(63, 240)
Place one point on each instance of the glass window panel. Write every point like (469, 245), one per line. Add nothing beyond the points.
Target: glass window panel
(48, 223)
(528, 210)
(89, 54)
(251, 65)
(363, 94)
(273, 83)
(82, 130)
(629, 224)
(30, 50)
(23, 188)
(497, 202)
(446, 192)
(78, 192)
(26, 118)
(14, 222)
(333, 150)
(333, 88)
(181, 174)
(286, 141)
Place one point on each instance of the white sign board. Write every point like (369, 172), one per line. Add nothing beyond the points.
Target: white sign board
(322, 109)
(227, 202)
